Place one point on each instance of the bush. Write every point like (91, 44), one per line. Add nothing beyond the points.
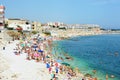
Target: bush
(9, 28)
(34, 32)
(47, 33)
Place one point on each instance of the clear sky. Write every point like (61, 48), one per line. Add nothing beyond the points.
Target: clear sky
(105, 13)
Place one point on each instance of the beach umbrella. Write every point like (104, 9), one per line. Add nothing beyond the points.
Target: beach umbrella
(59, 61)
(47, 56)
(19, 28)
(66, 64)
(28, 44)
(35, 46)
(23, 45)
(40, 50)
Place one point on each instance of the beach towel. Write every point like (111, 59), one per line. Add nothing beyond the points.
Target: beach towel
(36, 55)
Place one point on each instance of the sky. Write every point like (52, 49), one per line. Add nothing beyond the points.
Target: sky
(105, 13)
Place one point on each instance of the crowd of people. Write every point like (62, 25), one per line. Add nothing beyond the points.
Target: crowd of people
(40, 49)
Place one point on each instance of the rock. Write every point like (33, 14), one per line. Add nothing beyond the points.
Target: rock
(69, 58)
(112, 76)
(14, 76)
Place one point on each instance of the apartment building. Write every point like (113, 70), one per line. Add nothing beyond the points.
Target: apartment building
(2, 17)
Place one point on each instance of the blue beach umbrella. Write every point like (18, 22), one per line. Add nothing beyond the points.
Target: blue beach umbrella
(59, 61)
(40, 50)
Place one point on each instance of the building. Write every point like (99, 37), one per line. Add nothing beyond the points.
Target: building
(2, 17)
(55, 24)
(36, 26)
(15, 22)
(82, 26)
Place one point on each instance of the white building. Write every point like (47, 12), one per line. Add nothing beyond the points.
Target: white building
(55, 24)
(15, 23)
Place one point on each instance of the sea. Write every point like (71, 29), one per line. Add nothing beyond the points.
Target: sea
(96, 52)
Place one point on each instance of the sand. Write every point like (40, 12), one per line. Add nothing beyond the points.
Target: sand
(16, 67)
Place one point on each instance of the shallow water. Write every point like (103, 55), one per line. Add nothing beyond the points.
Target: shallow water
(100, 52)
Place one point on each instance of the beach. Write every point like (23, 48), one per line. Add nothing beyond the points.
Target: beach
(29, 59)
(77, 40)
(17, 66)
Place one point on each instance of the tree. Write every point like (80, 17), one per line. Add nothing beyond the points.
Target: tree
(34, 32)
(47, 33)
(14, 35)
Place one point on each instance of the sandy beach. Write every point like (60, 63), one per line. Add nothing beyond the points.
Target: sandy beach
(18, 68)
(77, 40)
(22, 66)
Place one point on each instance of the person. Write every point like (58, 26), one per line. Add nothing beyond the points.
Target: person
(53, 76)
(95, 78)
(50, 69)
(3, 48)
(9, 42)
(56, 64)
(83, 78)
(69, 76)
(56, 69)
(47, 65)
(106, 76)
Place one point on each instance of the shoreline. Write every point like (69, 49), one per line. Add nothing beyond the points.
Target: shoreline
(14, 71)
(110, 75)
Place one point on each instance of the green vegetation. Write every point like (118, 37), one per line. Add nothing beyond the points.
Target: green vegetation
(14, 34)
(9, 28)
(6, 25)
(34, 32)
(115, 29)
(47, 33)
(63, 28)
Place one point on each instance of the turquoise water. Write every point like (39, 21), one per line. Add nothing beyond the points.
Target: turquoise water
(100, 52)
